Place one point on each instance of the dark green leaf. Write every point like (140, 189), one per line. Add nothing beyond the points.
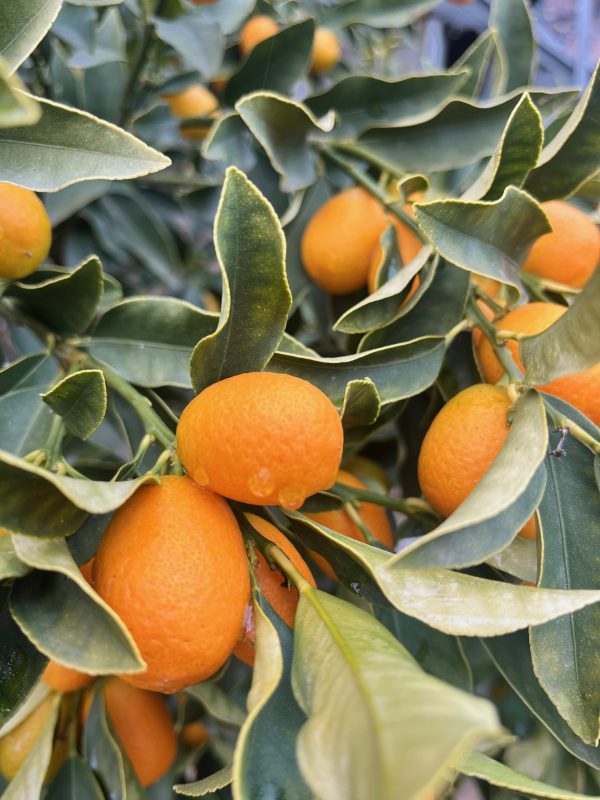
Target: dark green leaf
(24, 420)
(573, 155)
(513, 29)
(363, 101)
(200, 43)
(80, 399)
(63, 204)
(22, 26)
(490, 238)
(566, 346)
(217, 703)
(283, 127)
(276, 64)
(75, 781)
(477, 59)
(377, 13)
(34, 369)
(67, 146)
(230, 141)
(361, 405)
(65, 301)
(256, 298)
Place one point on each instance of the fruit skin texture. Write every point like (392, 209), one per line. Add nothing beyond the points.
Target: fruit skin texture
(65, 679)
(256, 30)
(373, 516)
(338, 242)
(16, 745)
(580, 389)
(282, 599)
(262, 438)
(172, 564)
(326, 51)
(569, 254)
(145, 729)
(194, 101)
(25, 232)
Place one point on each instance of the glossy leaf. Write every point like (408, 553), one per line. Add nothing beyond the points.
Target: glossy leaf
(363, 101)
(24, 420)
(499, 505)
(67, 146)
(513, 28)
(29, 780)
(63, 204)
(24, 24)
(283, 128)
(65, 301)
(275, 64)
(34, 369)
(477, 59)
(64, 617)
(75, 781)
(563, 651)
(566, 346)
(217, 703)
(363, 737)
(149, 340)
(362, 403)
(16, 108)
(573, 155)
(265, 754)
(21, 665)
(512, 657)
(517, 154)
(490, 238)
(478, 765)
(10, 564)
(377, 13)
(80, 399)
(219, 780)
(256, 298)
(398, 371)
(200, 43)
(230, 141)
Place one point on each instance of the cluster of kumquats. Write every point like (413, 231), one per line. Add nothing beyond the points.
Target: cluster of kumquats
(266, 439)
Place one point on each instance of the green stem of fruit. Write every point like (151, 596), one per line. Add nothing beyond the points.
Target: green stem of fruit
(279, 557)
(481, 295)
(461, 326)
(575, 430)
(54, 442)
(359, 522)
(503, 355)
(534, 287)
(408, 505)
(373, 189)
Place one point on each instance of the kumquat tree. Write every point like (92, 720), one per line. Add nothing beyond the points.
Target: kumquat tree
(299, 405)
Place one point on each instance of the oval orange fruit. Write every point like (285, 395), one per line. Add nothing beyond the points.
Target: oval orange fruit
(256, 30)
(25, 232)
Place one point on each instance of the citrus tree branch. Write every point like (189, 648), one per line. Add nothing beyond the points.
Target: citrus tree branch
(503, 355)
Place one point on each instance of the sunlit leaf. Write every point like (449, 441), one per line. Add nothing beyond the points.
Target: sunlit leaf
(23, 24)
(513, 28)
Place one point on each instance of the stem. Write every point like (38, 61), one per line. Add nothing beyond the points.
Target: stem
(461, 326)
(534, 287)
(278, 557)
(374, 189)
(407, 505)
(55, 439)
(489, 301)
(502, 353)
(507, 336)
(560, 421)
(153, 424)
(359, 522)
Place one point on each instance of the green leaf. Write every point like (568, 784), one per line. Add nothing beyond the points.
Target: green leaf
(23, 24)
(229, 14)
(477, 59)
(566, 346)
(75, 781)
(363, 101)
(230, 141)
(63, 204)
(106, 757)
(200, 43)
(29, 780)
(397, 372)
(80, 399)
(149, 340)
(283, 127)
(256, 298)
(490, 238)
(499, 505)
(434, 309)
(478, 765)
(361, 405)
(512, 657)
(63, 616)
(275, 64)
(367, 734)
(217, 703)
(68, 145)
(516, 155)
(563, 652)
(384, 305)
(21, 665)
(61, 502)
(519, 559)
(377, 13)
(219, 780)
(265, 754)
(65, 301)
(24, 420)
(10, 564)
(16, 108)
(34, 369)
(573, 155)
(513, 28)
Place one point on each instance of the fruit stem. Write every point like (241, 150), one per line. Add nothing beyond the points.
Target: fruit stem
(373, 189)
(407, 505)
(358, 521)
(461, 326)
(534, 287)
(503, 355)
(559, 421)
(54, 441)
(489, 301)
(279, 557)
